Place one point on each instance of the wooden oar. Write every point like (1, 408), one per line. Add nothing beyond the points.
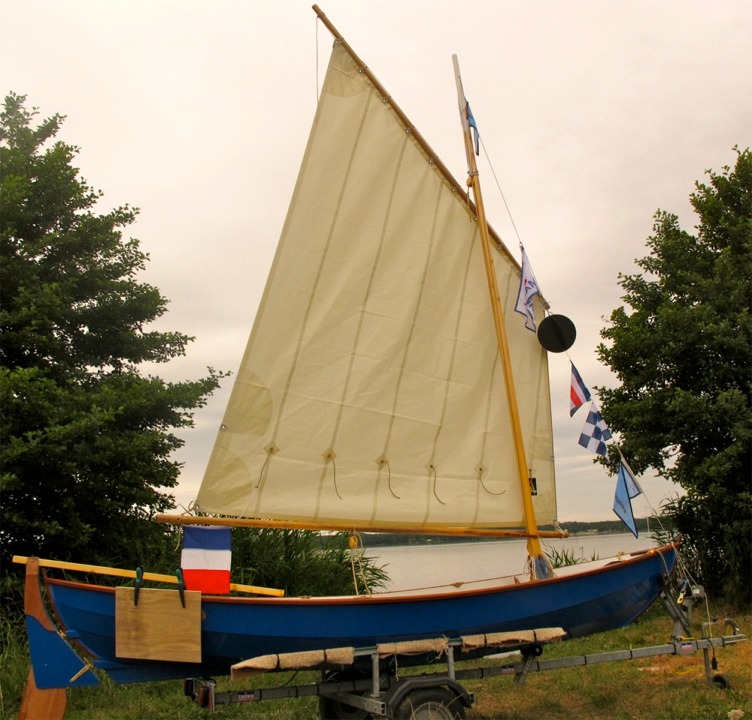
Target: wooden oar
(153, 577)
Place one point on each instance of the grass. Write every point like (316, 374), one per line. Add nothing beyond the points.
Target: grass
(659, 688)
(14, 663)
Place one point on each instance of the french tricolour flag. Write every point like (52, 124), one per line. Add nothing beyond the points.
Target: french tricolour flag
(206, 558)
(578, 392)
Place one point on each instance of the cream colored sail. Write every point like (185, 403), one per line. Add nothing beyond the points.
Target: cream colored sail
(370, 391)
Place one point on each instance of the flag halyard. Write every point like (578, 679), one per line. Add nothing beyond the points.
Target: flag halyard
(528, 290)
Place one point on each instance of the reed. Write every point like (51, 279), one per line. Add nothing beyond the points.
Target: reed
(567, 556)
(14, 661)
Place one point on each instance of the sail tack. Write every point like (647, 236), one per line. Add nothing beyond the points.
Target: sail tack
(370, 390)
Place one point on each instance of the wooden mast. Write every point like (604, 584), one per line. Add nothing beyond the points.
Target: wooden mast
(473, 181)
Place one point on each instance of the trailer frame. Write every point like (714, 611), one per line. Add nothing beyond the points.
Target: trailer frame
(384, 692)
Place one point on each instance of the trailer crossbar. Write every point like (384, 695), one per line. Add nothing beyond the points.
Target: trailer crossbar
(678, 647)
(367, 693)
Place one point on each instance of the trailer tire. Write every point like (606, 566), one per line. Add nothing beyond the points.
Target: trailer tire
(430, 704)
(331, 709)
(721, 682)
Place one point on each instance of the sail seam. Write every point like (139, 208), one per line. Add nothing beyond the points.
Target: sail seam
(366, 296)
(319, 273)
(408, 343)
(449, 373)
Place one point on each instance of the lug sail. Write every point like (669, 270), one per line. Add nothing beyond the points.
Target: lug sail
(370, 391)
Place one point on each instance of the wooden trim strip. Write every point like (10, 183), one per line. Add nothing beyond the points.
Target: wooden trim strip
(152, 577)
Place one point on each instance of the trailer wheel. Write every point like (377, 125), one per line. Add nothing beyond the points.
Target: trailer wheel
(331, 709)
(721, 682)
(430, 704)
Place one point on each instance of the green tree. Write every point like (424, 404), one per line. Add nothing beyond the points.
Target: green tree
(86, 438)
(683, 356)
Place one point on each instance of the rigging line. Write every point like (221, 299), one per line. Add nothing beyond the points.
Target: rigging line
(544, 303)
(389, 480)
(558, 527)
(357, 550)
(483, 485)
(334, 476)
(263, 469)
(353, 543)
(270, 450)
(432, 467)
(501, 192)
(362, 573)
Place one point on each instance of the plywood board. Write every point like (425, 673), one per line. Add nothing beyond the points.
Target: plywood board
(159, 627)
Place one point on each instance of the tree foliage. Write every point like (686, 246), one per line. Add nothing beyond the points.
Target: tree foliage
(87, 439)
(683, 355)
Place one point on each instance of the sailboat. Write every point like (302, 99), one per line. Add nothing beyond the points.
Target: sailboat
(386, 386)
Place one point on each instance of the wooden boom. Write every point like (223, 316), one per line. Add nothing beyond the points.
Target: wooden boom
(169, 519)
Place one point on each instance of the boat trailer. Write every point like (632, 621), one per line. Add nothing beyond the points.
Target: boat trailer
(360, 683)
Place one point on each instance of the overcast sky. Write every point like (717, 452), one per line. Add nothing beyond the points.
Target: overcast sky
(594, 115)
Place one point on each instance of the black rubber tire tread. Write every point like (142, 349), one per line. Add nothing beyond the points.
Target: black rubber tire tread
(431, 704)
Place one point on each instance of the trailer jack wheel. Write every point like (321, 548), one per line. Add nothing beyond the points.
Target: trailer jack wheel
(430, 704)
(721, 682)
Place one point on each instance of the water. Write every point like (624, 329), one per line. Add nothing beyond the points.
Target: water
(411, 566)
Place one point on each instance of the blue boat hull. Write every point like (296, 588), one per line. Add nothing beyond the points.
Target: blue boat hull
(234, 629)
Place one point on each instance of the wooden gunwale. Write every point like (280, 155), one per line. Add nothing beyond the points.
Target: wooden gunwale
(632, 559)
(131, 574)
